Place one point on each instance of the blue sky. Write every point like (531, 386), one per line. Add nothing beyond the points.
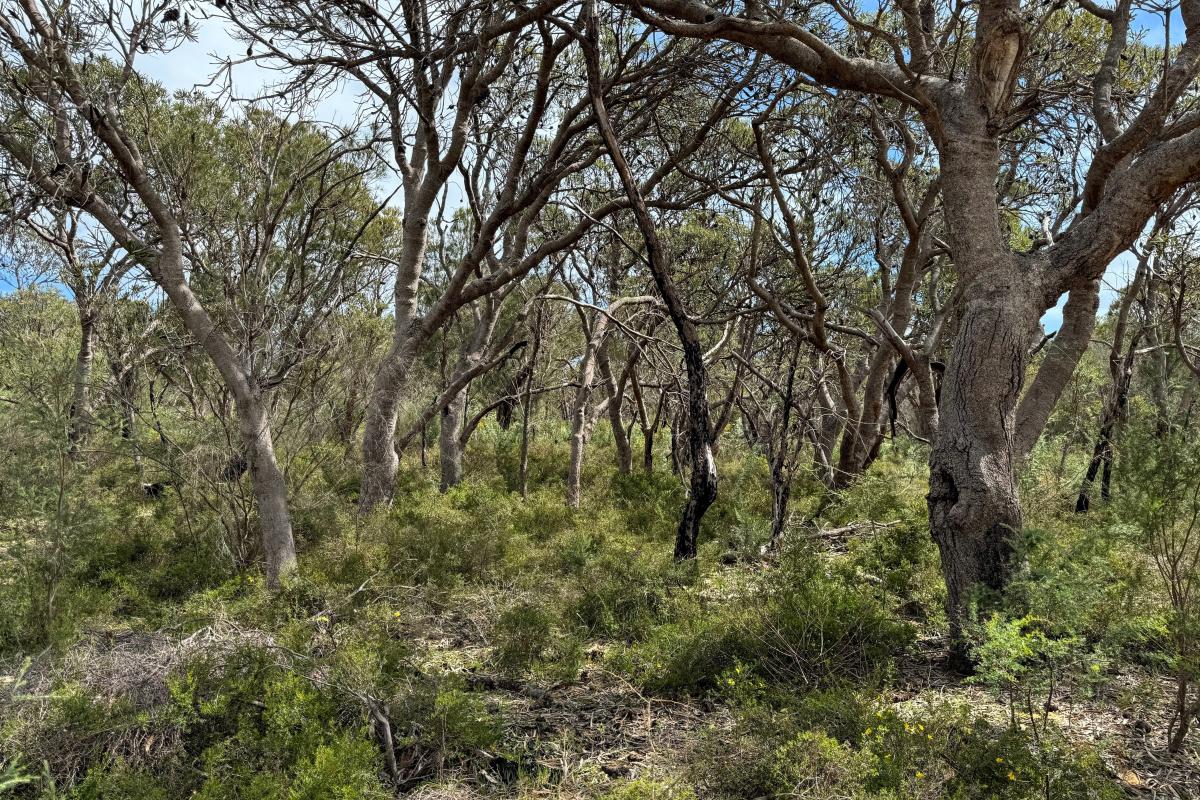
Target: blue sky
(192, 65)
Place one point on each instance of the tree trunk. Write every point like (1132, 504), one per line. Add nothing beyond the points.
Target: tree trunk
(974, 508)
(270, 491)
(380, 460)
(781, 474)
(80, 422)
(703, 484)
(1062, 357)
(616, 399)
(581, 423)
(450, 448)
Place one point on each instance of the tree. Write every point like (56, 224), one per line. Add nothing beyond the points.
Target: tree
(971, 108)
(88, 133)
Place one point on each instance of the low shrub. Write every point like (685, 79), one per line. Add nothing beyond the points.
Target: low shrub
(799, 626)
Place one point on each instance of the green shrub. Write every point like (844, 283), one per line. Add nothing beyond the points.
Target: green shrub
(529, 636)
(799, 626)
(443, 540)
(649, 789)
(625, 589)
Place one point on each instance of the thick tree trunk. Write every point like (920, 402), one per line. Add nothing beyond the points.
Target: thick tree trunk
(974, 508)
(450, 447)
(270, 491)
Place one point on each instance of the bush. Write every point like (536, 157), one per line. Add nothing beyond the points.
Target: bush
(443, 540)
(649, 789)
(799, 626)
(766, 754)
(528, 636)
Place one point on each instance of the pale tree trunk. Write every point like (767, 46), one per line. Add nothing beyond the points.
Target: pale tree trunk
(581, 419)
(270, 490)
(380, 460)
(825, 431)
(1062, 357)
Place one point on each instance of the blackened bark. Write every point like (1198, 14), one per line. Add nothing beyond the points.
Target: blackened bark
(781, 475)
(703, 483)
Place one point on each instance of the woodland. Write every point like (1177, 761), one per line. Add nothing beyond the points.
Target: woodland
(599, 399)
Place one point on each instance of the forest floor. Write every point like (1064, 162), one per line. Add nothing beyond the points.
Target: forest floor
(571, 732)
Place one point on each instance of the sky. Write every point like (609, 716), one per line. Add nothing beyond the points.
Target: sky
(192, 65)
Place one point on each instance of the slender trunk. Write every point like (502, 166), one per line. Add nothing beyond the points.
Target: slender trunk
(81, 404)
(1120, 369)
(1062, 357)
(616, 399)
(1184, 711)
(125, 379)
(826, 430)
(781, 477)
(580, 416)
(380, 460)
(270, 489)
(527, 401)
(1102, 455)
(676, 459)
(703, 484)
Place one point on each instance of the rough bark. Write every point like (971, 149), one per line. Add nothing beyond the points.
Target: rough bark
(974, 508)
(80, 416)
(450, 449)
